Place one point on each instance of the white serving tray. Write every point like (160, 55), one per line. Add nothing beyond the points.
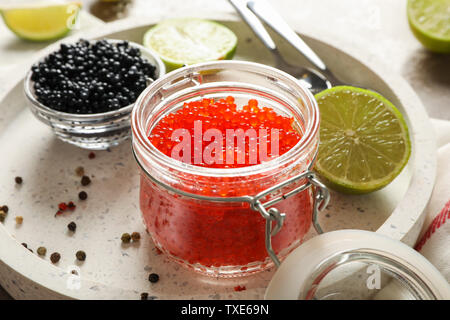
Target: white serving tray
(116, 271)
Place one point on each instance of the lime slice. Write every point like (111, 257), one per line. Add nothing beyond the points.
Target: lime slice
(364, 140)
(187, 41)
(41, 23)
(430, 22)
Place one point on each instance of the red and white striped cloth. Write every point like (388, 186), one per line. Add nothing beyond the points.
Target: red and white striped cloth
(434, 241)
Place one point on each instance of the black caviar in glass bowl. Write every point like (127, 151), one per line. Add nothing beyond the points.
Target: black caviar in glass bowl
(85, 91)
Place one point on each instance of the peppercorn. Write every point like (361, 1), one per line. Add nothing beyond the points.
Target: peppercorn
(55, 257)
(153, 278)
(30, 250)
(85, 180)
(79, 171)
(2, 216)
(126, 238)
(81, 255)
(82, 195)
(19, 219)
(91, 155)
(42, 251)
(62, 206)
(4, 209)
(18, 180)
(72, 226)
(135, 236)
(24, 244)
(144, 296)
(71, 206)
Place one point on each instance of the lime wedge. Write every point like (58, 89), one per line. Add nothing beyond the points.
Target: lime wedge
(364, 140)
(41, 23)
(430, 22)
(187, 41)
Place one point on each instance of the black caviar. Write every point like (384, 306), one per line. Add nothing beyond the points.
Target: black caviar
(91, 77)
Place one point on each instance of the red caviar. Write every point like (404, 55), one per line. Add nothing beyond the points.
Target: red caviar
(211, 234)
(224, 115)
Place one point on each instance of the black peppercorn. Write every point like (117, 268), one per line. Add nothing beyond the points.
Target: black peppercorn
(144, 296)
(55, 257)
(18, 180)
(81, 255)
(85, 180)
(153, 278)
(72, 226)
(82, 195)
(135, 236)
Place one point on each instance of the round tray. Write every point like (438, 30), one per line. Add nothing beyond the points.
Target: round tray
(116, 271)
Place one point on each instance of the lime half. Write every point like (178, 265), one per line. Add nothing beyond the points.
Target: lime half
(41, 23)
(364, 140)
(430, 22)
(187, 41)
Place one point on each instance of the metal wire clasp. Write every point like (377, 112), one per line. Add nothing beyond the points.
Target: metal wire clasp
(321, 198)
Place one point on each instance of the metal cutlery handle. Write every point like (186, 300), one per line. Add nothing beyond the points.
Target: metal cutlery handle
(254, 23)
(266, 13)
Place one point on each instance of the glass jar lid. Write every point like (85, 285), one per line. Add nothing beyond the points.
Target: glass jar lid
(356, 264)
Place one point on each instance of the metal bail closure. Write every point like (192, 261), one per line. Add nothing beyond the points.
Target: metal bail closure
(321, 197)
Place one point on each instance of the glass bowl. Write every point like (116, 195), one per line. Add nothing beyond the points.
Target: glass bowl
(97, 131)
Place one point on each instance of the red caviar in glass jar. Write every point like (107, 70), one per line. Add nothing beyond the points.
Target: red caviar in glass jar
(268, 130)
(230, 234)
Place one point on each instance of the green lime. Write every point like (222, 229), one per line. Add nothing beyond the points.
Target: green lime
(41, 23)
(187, 41)
(364, 140)
(430, 22)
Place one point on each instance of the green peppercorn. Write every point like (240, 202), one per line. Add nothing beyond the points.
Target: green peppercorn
(136, 236)
(79, 171)
(81, 255)
(42, 251)
(126, 238)
(55, 257)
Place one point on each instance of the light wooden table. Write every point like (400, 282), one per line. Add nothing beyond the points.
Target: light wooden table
(378, 25)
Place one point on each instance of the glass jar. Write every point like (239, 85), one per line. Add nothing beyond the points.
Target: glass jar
(356, 265)
(223, 222)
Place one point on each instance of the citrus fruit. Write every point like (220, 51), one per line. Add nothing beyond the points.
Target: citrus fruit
(41, 23)
(364, 140)
(430, 22)
(187, 41)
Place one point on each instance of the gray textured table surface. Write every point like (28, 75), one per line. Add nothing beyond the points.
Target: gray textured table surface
(378, 25)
